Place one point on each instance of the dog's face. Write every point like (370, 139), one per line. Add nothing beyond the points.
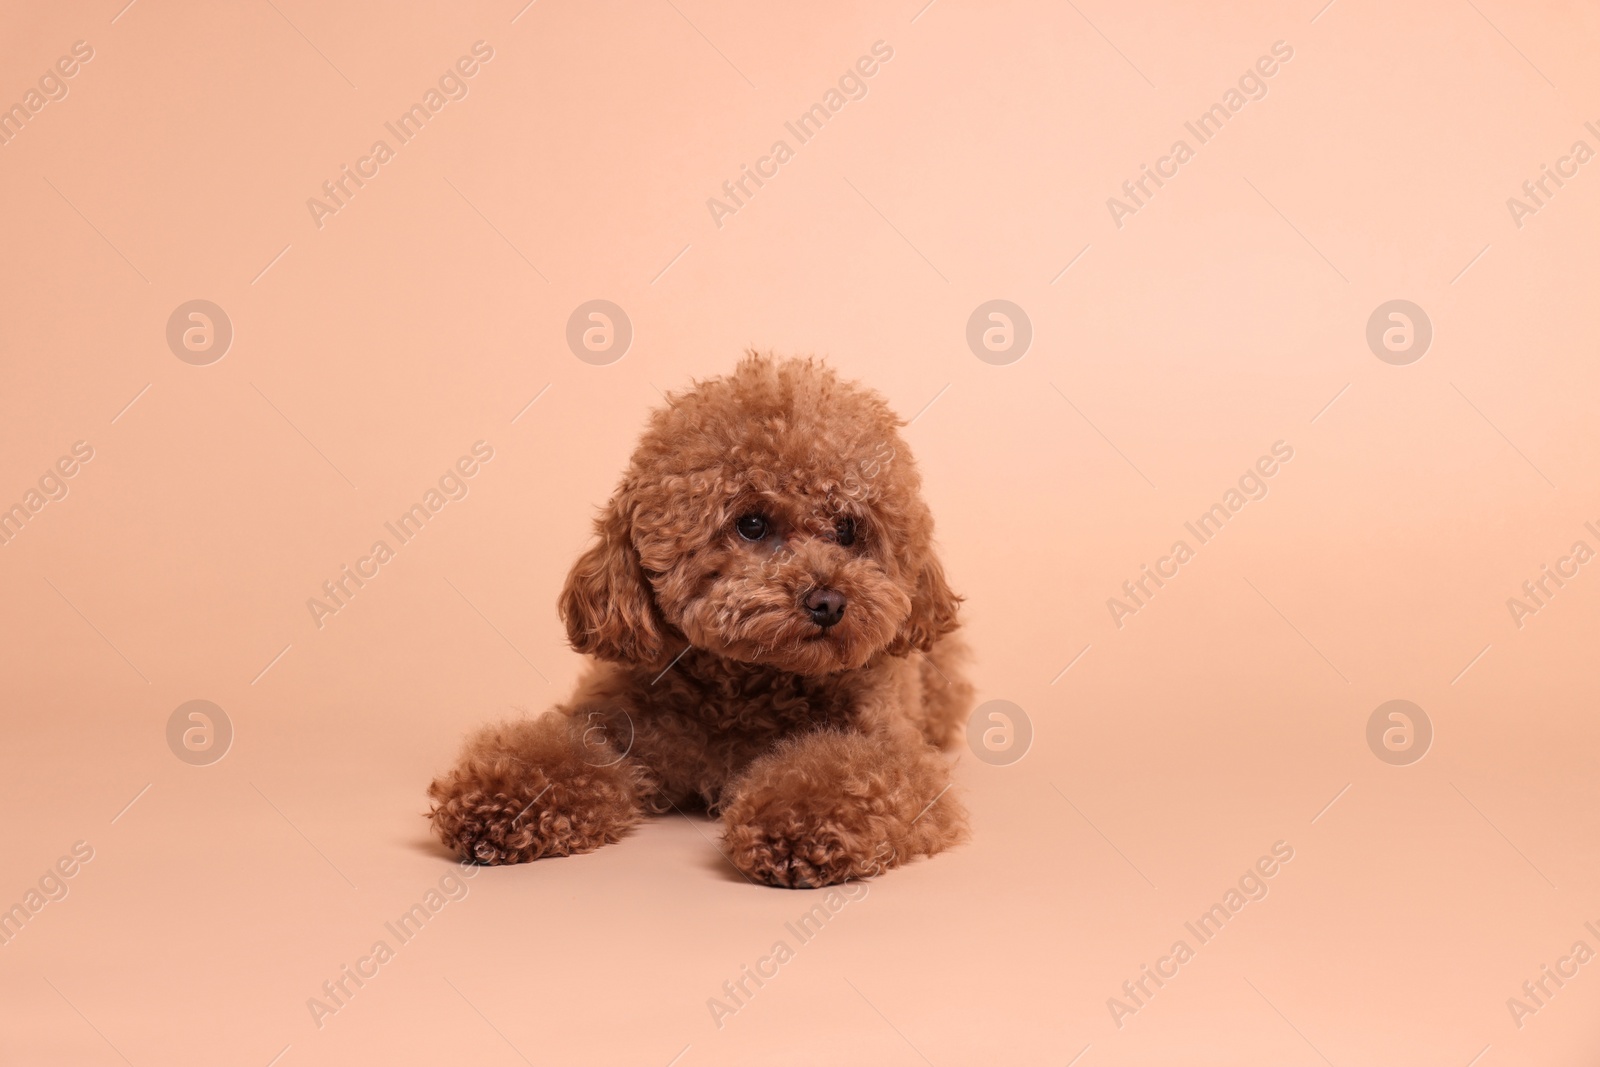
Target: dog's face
(770, 517)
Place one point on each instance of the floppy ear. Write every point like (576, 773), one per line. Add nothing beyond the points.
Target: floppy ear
(933, 610)
(607, 603)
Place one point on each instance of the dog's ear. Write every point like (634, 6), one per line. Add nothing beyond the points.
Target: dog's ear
(933, 610)
(607, 603)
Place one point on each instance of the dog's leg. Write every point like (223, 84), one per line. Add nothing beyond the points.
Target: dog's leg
(550, 786)
(831, 806)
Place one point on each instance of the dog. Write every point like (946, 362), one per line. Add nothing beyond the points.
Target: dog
(774, 643)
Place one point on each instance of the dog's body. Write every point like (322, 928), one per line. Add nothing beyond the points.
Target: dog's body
(775, 645)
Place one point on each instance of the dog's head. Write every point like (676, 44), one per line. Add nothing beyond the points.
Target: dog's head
(772, 516)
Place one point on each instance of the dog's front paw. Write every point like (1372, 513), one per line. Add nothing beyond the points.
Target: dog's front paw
(494, 827)
(829, 807)
(524, 791)
(781, 835)
(797, 853)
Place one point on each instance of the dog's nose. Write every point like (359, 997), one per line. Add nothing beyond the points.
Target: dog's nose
(825, 606)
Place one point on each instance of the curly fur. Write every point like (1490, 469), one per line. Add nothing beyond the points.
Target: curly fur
(712, 686)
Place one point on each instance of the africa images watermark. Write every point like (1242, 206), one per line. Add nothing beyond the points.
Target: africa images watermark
(1539, 591)
(452, 85)
(1251, 887)
(753, 978)
(1538, 992)
(1252, 85)
(51, 88)
(1252, 485)
(852, 85)
(51, 486)
(1537, 192)
(338, 991)
(51, 887)
(337, 592)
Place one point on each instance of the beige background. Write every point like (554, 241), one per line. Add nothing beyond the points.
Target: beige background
(1227, 314)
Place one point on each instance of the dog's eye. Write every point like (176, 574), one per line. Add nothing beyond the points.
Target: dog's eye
(845, 532)
(752, 527)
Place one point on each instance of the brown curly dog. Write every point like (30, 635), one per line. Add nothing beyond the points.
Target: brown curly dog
(773, 643)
